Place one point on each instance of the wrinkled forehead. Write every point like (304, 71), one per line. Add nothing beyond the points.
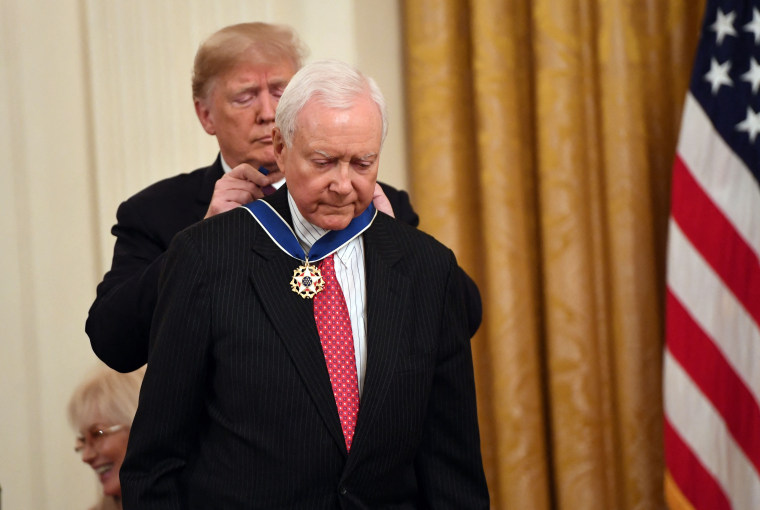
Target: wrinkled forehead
(278, 71)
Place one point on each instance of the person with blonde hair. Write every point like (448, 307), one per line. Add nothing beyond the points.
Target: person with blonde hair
(101, 410)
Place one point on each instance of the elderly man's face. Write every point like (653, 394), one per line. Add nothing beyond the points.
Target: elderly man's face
(239, 110)
(331, 168)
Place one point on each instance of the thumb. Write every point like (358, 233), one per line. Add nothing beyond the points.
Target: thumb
(381, 202)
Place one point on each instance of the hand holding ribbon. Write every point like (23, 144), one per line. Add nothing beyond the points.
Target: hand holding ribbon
(243, 184)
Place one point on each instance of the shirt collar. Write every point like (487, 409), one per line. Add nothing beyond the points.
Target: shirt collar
(308, 233)
(227, 169)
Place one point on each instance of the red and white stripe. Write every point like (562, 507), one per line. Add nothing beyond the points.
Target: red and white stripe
(712, 357)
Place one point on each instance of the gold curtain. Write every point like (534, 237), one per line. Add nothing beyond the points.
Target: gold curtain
(542, 134)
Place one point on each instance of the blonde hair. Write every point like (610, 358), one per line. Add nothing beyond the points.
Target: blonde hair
(107, 393)
(227, 47)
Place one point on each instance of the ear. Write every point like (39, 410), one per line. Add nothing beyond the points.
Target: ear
(278, 145)
(203, 112)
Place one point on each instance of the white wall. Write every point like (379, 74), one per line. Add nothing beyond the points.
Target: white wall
(94, 105)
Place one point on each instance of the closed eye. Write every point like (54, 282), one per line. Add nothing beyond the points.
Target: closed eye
(243, 99)
(323, 163)
(362, 163)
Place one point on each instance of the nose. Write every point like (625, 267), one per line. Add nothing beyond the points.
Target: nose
(88, 453)
(342, 179)
(267, 106)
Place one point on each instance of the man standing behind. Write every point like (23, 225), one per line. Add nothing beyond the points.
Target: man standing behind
(307, 351)
(238, 77)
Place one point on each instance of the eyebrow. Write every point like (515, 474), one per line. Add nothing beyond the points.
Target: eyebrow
(277, 82)
(366, 156)
(256, 87)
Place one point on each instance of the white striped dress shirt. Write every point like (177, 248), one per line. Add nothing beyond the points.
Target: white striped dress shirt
(349, 269)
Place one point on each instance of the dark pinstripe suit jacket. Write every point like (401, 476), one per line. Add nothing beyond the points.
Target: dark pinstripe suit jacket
(237, 410)
(119, 320)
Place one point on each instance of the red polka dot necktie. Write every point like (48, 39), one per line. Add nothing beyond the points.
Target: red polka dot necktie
(334, 327)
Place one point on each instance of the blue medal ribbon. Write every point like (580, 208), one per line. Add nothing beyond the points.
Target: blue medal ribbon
(284, 237)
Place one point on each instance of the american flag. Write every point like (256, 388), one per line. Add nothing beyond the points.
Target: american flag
(712, 355)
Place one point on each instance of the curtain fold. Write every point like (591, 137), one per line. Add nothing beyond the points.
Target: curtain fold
(541, 139)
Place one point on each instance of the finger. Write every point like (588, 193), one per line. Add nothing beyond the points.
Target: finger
(239, 196)
(220, 206)
(275, 176)
(233, 184)
(246, 172)
(226, 199)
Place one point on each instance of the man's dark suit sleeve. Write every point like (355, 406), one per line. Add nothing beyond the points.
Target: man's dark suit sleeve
(449, 465)
(119, 319)
(402, 207)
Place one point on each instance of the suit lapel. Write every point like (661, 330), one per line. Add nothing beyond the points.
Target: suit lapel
(387, 301)
(293, 318)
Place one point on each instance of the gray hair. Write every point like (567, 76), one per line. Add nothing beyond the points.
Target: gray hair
(107, 393)
(336, 83)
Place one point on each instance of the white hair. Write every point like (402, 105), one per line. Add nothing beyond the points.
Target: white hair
(337, 85)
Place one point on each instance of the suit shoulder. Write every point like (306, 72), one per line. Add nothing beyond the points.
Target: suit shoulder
(172, 188)
(402, 206)
(169, 205)
(226, 227)
(388, 189)
(412, 238)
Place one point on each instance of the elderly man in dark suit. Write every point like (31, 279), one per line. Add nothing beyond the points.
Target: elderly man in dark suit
(307, 350)
(238, 77)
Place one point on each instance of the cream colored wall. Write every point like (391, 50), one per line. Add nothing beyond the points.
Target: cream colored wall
(94, 105)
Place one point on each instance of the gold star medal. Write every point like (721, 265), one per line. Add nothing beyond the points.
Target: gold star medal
(307, 281)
